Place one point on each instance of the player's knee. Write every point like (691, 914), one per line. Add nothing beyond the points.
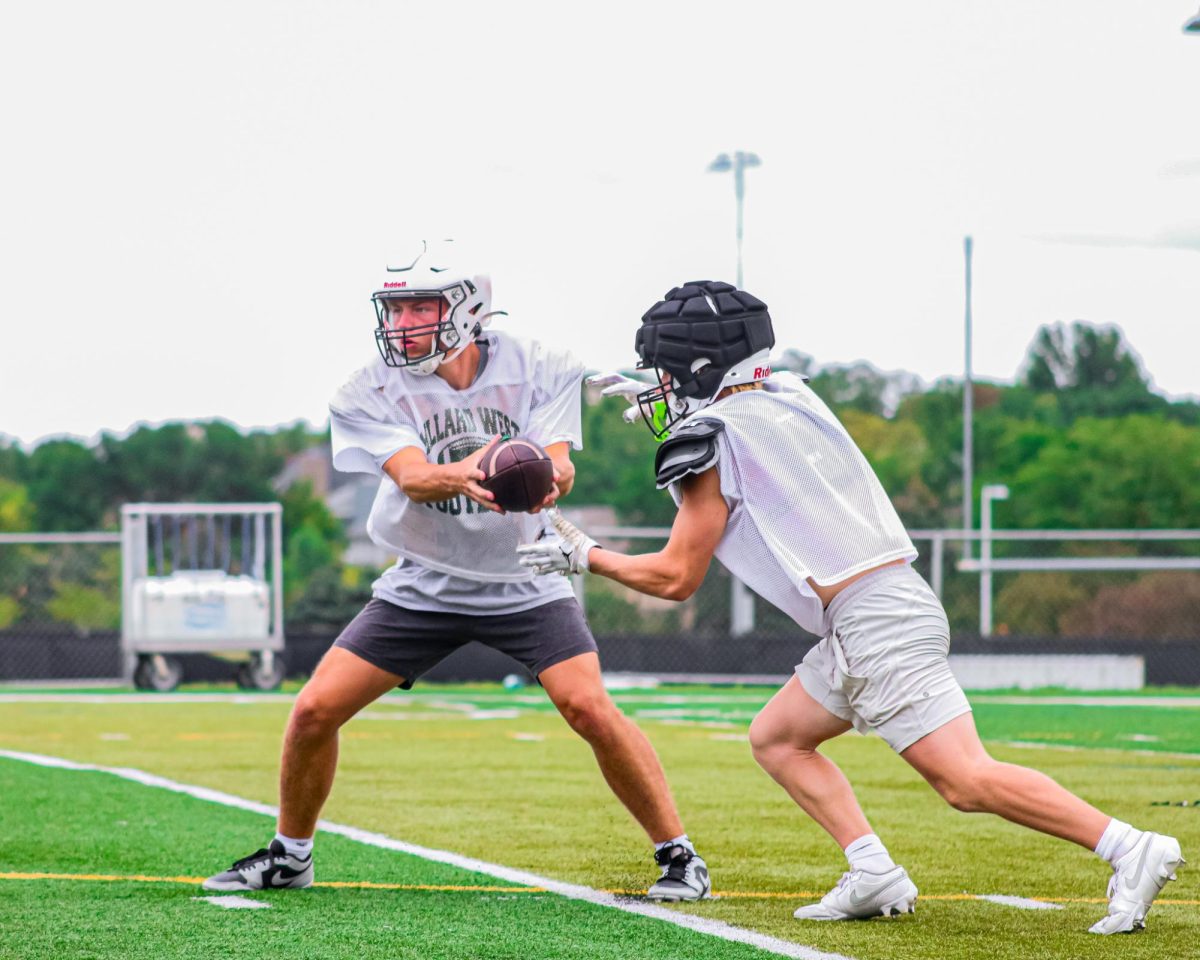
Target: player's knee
(313, 717)
(968, 790)
(771, 745)
(764, 740)
(591, 715)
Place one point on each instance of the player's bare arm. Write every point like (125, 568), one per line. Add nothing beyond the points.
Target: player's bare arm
(673, 573)
(676, 571)
(564, 475)
(425, 482)
(564, 469)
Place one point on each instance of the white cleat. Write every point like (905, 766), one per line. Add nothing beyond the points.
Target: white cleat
(1136, 880)
(684, 876)
(860, 895)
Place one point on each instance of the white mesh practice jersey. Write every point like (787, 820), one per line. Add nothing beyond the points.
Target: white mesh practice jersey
(803, 501)
(524, 390)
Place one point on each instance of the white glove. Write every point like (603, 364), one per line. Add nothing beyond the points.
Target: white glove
(565, 551)
(618, 385)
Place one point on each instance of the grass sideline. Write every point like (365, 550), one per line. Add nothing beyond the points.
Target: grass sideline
(511, 785)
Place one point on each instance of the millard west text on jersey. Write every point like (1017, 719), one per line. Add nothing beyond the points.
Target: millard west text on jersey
(484, 422)
(459, 432)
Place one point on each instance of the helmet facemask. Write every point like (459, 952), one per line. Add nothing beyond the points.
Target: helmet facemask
(665, 405)
(458, 323)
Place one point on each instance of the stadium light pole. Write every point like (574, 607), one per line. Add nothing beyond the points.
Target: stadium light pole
(990, 492)
(738, 164)
(1193, 25)
(968, 433)
(741, 600)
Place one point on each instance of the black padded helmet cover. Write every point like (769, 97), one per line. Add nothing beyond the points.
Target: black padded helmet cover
(702, 320)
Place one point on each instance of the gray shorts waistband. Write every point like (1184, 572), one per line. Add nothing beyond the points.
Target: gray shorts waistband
(863, 585)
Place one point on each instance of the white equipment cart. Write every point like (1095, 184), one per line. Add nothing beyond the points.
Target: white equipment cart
(201, 578)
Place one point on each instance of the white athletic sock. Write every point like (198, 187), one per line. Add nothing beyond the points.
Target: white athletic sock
(679, 841)
(1116, 841)
(868, 853)
(300, 849)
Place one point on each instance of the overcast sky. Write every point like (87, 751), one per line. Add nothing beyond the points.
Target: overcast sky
(196, 201)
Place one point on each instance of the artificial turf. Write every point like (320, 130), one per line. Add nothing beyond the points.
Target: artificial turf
(499, 777)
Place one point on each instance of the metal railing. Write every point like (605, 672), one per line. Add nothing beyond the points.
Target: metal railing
(1067, 592)
(742, 600)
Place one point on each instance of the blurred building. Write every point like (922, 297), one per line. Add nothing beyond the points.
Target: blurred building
(347, 495)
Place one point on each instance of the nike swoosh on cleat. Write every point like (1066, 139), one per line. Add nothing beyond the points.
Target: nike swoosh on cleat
(1138, 870)
(272, 877)
(858, 901)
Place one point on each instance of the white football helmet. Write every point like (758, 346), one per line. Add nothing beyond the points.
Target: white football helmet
(466, 309)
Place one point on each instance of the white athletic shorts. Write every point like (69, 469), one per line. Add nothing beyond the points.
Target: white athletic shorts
(882, 665)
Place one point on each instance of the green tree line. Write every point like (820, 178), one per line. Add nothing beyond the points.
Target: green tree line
(64, 485)
(1080, 438)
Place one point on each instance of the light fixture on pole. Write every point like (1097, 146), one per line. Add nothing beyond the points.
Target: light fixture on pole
(990, 492)
(1193, 25)
(738, 163)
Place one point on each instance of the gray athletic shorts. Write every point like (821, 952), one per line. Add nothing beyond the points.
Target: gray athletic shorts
(410, 642)
(882, 665)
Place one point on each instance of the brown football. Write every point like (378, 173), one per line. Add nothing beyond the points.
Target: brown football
(519, 473)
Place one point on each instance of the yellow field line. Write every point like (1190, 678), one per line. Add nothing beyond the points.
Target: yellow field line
(102, 877)
(457, 888)
(340, 884)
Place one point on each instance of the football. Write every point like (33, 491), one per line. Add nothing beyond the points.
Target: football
(519, 473)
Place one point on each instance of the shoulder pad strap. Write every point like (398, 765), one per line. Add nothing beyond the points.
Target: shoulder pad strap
(692, 448)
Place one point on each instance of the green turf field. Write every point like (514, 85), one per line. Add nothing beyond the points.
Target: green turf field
(497, 776)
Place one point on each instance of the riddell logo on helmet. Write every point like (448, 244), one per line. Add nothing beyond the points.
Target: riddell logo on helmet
(389, 286)
(761, 373)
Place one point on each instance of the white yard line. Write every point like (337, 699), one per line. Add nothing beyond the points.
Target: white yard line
(1073, 748)
(159, 698)
(231, 902)
(1086, 701)
(408, 715)
(1021, 903)
(460, 706)
(572, 891)
(471, 701)
(684, 713)
(426, 698)
(713, 724)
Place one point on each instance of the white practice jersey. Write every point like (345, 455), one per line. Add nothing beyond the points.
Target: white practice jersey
(523, 390)
(803, 501)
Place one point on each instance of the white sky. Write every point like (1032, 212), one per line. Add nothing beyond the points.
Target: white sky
(196, 202)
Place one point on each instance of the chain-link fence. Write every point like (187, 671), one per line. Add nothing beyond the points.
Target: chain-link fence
(60, 606)
(1100, 608)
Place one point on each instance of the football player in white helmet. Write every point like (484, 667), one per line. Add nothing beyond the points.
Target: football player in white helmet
(420, 419)
(768, 480)
(429, 312)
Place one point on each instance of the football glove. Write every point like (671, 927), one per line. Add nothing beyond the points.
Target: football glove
(618, 385)
(565, 550)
